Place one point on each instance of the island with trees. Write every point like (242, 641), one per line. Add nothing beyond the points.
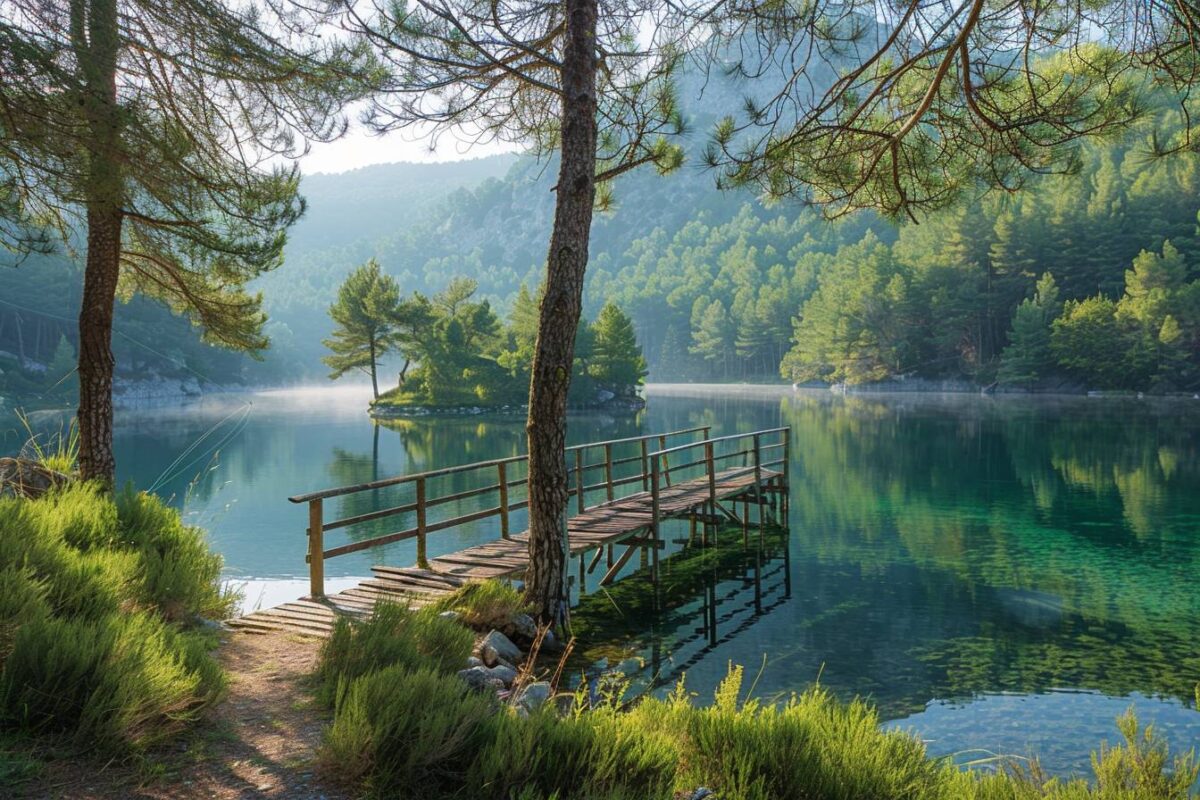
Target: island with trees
(456, 355)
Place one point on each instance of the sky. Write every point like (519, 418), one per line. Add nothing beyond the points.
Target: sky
(359, 148)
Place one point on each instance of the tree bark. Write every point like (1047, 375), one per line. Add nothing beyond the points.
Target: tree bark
(558, 319)
(374, 372)
(94, 35)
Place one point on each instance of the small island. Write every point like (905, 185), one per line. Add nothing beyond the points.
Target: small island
(457, 355)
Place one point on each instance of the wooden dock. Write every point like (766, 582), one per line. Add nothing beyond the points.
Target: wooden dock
(645, 481)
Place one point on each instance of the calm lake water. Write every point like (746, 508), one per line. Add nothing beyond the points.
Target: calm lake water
(1001, 575)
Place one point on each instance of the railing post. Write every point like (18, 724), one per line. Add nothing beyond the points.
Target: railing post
(579, 484)
(666, 465)
(645, 466)
(608, 466)
(787, 460)
(758, 484)
(502, 474)
(316, 549)
(711, 467)
(422, 561)
(654, 514)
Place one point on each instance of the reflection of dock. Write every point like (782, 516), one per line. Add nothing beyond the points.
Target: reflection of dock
(645, 481)
(711, 592)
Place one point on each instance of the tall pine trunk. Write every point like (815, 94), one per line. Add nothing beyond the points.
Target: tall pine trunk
(94, 37)
(558, 319)
(374, 371)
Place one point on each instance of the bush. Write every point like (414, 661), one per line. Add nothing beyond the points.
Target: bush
(403, 733)
(394, 636)
(92, 594)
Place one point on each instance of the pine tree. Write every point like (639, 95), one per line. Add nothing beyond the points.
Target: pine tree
(149, 124)
(580, 79)
(617, 362)
(365, 323)
(713, 335)
(1028, 356)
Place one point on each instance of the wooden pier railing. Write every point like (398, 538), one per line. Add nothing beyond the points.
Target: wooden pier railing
(621, 463)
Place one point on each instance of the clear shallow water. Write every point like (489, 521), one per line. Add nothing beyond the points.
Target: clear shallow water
(1001, 575)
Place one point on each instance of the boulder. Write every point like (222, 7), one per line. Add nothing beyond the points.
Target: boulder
(21, 477)
(534, 695)
(502, 672)
(453, 616)
(497, 647)
(523, 627)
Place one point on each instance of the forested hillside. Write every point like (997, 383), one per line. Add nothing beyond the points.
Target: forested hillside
(721, 287)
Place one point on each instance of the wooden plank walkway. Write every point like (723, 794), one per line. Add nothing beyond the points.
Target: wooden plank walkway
(599, 526)
(316, 617)
(631, 520)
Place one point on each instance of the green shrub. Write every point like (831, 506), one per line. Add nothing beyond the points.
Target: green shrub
(92, 592)
(393, 636)
(22, 600)
(180, 575)
(403, 733)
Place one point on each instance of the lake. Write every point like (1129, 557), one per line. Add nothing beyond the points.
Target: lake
(1002, 575)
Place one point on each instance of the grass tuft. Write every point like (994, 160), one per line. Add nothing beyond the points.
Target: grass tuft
(485, 604)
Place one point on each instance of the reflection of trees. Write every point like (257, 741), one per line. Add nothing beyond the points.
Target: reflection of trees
(1066, 536)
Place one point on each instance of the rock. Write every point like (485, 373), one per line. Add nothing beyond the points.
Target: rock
(496, 647)
(479, 679)
(453, 616)
(503, 673)
(472, 661)
(604, 395)
(702, 793)
(534, 695)
(20, 477)
(522, 626)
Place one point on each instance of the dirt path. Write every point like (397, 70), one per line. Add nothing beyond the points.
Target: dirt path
(259, 742)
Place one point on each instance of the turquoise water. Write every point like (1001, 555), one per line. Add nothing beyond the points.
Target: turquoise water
(1001, 575)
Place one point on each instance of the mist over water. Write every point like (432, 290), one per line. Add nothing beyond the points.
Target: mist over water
(1002, 575)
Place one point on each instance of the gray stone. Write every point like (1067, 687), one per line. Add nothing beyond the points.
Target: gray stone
(534, 695)
(453, 616)
(472, 661)
(503, 673)
(523, 626)
(702, 793)
(496, 647)
(480, 679)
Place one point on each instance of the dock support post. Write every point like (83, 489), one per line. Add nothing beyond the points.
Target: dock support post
(316, 549)
(422, 561)
(502, 474)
